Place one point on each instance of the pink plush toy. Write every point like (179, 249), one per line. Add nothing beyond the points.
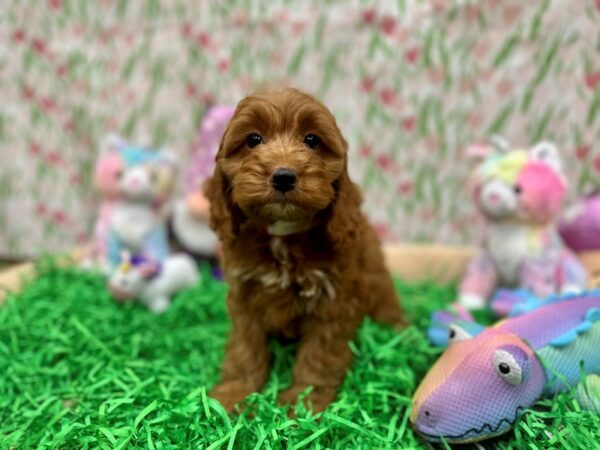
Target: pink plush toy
(190, 221)
(519, 193)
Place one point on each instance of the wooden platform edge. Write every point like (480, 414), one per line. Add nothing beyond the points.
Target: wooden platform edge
(13, 279)
(411, 262)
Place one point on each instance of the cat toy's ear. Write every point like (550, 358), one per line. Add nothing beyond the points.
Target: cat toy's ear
(111, 143)
(170, 157)
(500, 143)
(547, 152)
(478, 152)
(482, 150)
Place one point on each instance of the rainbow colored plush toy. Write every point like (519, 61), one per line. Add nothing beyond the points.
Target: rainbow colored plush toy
(486, 377)
(136, 184)
(519, 193)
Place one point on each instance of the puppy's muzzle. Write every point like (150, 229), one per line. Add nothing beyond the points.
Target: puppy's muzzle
(284, 179)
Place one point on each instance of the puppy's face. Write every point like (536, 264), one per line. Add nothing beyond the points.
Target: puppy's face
(281, 155)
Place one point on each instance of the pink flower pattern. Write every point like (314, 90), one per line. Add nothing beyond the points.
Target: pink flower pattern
(412, 85)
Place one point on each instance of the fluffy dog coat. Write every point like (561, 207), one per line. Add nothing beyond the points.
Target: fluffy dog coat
(301, 259)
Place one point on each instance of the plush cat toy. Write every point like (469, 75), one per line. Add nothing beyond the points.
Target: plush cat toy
(190, 221)
(136, 184)
(519, 193)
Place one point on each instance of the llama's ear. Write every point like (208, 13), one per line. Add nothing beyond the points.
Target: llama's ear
(546, 152)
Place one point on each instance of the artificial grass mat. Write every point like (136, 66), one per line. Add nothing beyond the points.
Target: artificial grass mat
(79, 371)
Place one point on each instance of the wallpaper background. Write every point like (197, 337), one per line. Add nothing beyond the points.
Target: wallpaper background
(412, 83)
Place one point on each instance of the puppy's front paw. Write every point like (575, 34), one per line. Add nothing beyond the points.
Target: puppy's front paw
(319, 397)
(230, 393)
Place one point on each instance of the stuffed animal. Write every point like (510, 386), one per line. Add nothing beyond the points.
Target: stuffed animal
(519, 193)
(580, 224)
(136, 184)
(486, 377)
(190, 221)
(153, 283)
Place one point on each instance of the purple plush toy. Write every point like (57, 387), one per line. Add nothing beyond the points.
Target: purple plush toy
(211, 131)
(190, 221)
(580, 225)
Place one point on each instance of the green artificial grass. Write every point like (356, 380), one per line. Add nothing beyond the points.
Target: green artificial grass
(79, 371)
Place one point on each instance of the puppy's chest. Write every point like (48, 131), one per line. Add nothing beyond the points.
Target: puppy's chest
(280, 269)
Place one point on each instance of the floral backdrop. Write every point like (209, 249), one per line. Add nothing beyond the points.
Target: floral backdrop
(412, 83)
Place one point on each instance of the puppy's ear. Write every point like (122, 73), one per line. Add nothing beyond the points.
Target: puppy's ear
(345, 220)
(222, 210)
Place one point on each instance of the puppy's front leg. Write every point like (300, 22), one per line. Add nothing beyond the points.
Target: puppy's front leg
(246, 364)
(322, 360)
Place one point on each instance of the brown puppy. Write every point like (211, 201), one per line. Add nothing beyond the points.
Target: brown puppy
(300, 257)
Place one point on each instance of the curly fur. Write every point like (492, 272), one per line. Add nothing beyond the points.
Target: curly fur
(316, 284)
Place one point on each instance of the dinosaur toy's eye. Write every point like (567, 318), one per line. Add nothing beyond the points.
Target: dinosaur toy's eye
(507, 367)
(457, 334)
(517, 189)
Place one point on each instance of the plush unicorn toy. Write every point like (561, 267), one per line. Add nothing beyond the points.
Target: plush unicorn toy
(136, 184)
(519, 193)
(153, 283)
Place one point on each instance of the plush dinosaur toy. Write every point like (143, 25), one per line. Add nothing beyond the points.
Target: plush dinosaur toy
(519, 193)
(487, 377)
(136, 184)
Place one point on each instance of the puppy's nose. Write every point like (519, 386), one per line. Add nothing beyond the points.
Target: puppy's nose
(284, 179)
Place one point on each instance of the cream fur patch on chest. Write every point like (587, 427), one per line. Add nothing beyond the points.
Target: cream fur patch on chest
(315, 283)
(284, 228)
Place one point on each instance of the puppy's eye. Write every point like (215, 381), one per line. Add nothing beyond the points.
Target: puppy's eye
(253, 139)
(312, 141)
